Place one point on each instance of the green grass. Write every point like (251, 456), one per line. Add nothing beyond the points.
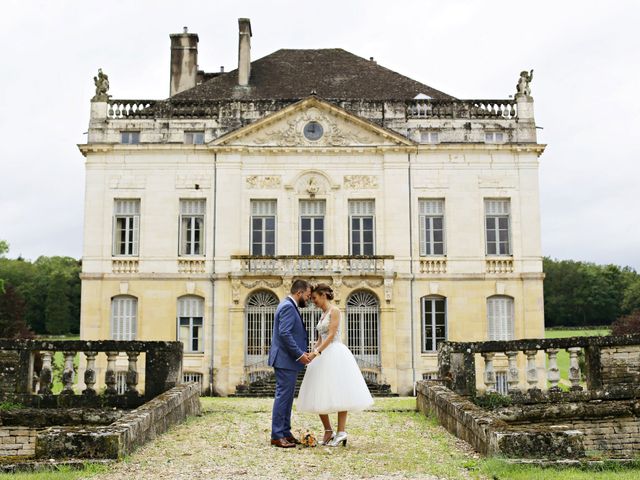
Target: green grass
(499, 469)
(563, 355)
(62, 472)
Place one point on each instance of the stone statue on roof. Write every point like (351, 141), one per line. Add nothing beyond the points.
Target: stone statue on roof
(522, 87)
(102, 87)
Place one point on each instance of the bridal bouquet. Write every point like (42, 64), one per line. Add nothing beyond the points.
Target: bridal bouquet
(308, 440)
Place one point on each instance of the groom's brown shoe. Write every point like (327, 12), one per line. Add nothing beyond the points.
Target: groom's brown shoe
(293, 440)
(282, 443)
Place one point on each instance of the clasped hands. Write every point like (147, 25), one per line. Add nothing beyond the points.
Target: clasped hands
(308, 357)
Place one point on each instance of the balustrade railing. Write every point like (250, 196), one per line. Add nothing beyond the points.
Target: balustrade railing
(433, 266)
(479, 109)
(499, 265)
(283, 265)
(129, 108)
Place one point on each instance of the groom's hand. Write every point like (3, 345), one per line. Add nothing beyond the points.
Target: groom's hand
(305, 359)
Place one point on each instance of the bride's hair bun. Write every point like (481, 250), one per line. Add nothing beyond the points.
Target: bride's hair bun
(325, 289)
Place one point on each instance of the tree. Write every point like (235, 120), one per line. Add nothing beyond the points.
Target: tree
(4, 248)
(57, 307)
(627, 324)
(631, 299)
(12, 307)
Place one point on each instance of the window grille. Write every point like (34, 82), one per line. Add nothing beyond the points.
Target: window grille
(188, 377)
(263, 227)
(191, 323)
(192, 226)
(126, 227)
(363, 327)
(362, 227)
(502, 387)
(312, 227)
(434, 323)
(497, 225)
(431, 221)
(121, 382)
(124, 318)
(260, 311)
(500, 313)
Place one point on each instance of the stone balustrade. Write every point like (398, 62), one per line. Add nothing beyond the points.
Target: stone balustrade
(129, 108)
(128, 265)
(191, 266)
(163, 369)
(452, 109)
(433, 266)
(296, 265)
(499, 265)
(611, 363)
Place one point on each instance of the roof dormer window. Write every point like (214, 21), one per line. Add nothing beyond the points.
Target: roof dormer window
(194, 138)
(130, 137)
(494, 137)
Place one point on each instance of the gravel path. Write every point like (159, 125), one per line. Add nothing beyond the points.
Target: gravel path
(231, 440)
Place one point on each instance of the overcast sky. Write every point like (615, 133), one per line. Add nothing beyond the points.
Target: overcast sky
(586, 90)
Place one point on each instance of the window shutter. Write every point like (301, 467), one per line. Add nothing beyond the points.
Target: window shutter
(362, 207)
(497, 207)
(263, 207)
(431, 206)
(312, 207)
(192, 207)
(190, 307)
(423, 233)
(136, 234)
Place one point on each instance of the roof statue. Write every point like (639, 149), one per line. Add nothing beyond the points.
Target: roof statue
(522, 87)
(102, 87)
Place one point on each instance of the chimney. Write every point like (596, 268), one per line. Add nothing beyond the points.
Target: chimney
(184, 61)
(244, 51)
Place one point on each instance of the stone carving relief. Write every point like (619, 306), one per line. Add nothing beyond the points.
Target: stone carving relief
(311, 183)
(388, 289)
(263, 181)
(359, 182)
(235, 290)
(337, 285)
(261, 283)
(363, 282)
(335, 135)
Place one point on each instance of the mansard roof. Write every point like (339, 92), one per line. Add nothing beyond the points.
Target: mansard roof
(331, 73)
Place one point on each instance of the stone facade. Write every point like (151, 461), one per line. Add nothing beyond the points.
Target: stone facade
(393, 152)
(17, 441)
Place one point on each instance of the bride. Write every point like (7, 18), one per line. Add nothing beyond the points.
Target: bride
(333, 382)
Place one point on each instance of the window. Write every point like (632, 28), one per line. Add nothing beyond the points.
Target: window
(363, 327)
(497, 227)
(130, 138)
(312, 227)
(361, 226)
(192, 227)
(500, 317)
(124, 313)
(194, 138)
(190, 322)
(260, 312)
(494, 137)
(431, 227)
(121, 382)
(263, 227)
(428, 137)
(434, 323)
(126, 227)
(502, 384)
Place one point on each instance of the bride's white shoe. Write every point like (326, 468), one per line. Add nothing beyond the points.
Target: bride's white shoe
(333, 435)
(338, 439)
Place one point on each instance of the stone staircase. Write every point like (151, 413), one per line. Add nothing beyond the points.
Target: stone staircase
(266, 387)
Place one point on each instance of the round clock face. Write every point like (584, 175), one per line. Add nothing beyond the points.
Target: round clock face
(313, 131)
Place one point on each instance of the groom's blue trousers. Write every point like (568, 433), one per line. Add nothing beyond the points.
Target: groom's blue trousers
(281, 415)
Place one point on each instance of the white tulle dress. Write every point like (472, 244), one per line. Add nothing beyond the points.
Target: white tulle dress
(333, 381)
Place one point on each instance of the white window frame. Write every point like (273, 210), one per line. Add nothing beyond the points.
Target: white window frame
(429, 136)
(191, 316)
(130, 137)
(191, 222)
(124, 317)
(263, 210)
(500, 317)
(433, 340)
(313, 210)
(359, 210)
(431, 209)
(195, 137)
(127, 212)
(497, 209)
(495, 137)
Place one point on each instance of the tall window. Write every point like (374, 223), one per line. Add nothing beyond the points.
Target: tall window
(263, 227)
(129, 137)
(126, 227)
(500, 317)
(190, 323)
(124, 315)
(363, 327)
(361, 227)
(431, 226)
(192, 227)
(434, 322)
(497, 226)
(260, 311)
(194, 138)
(312, 227)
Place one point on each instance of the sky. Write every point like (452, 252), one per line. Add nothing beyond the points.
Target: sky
(586, 79)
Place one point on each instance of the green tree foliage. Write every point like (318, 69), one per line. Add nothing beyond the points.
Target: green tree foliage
(4, 248)
(57, 306)
(585, 294)
(12, 308)
(32, 280)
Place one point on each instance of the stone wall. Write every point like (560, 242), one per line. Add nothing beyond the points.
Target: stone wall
(9, 362)
(620, 365)
(17, 441)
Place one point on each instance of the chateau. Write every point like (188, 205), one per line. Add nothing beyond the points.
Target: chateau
(420, 209)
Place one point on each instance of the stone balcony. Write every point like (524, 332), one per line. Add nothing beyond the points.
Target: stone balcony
(291, 265)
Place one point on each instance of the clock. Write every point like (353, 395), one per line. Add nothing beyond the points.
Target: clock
(313, 131)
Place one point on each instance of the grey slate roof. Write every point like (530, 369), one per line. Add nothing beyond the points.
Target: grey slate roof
(332, 73)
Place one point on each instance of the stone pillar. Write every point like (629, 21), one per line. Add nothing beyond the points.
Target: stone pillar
(110, 374)
(489, 373)
(67, 374)
(513, 373)
(90, 374)
(532, 372)
(526, 125)
(46, 374)
(574, 369)
(163, 369)
(132, 373)
(553, 372)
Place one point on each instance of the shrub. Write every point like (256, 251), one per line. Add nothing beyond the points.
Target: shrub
(627, 324)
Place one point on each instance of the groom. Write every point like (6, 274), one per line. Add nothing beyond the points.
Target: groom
(288, 355)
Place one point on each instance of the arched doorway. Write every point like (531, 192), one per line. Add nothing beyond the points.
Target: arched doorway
(363, 327)
(260, 311)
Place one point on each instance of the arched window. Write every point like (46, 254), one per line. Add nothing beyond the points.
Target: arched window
(500, 317)
(363, 327)
(191, 322)
(124, 317)
(434, 322)
(260, 311)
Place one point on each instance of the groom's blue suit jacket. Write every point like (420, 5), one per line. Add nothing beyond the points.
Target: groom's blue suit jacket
(289, 340)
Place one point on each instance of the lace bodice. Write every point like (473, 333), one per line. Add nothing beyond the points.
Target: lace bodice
(325, 320)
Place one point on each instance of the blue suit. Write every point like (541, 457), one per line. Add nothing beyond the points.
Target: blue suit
(288, 343)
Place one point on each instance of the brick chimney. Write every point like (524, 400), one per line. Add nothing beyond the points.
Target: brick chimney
(244, 51)
(184, 61)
